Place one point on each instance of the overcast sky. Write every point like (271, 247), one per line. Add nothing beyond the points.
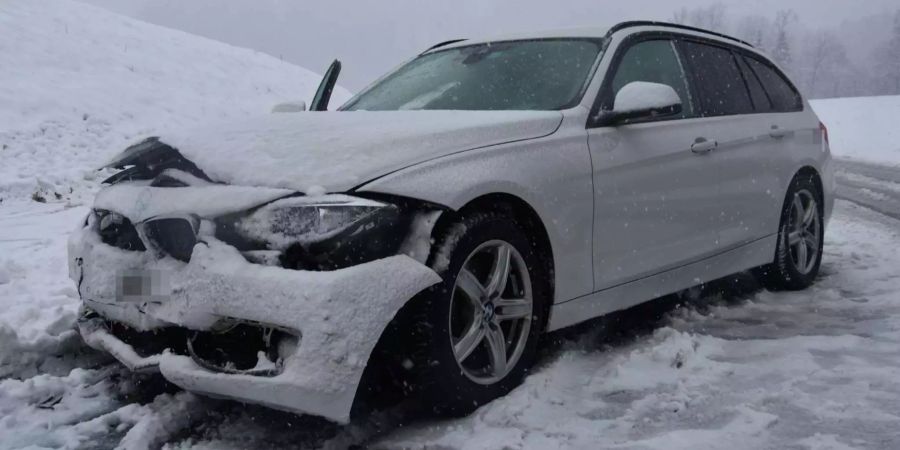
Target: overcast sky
(371, 37)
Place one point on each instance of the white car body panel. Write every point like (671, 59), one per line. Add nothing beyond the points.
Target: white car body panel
(332, 151)
(630, 211)
(722, 210)
(647, 221)
(552, 174)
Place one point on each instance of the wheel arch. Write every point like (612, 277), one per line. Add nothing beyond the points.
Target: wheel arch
(521, 212)
(394, 337)
(804, 170)
(816, 177)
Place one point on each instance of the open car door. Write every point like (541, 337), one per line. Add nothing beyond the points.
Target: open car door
(326, 87)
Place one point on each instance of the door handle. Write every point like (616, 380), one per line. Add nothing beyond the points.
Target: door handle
(702, 146)
(777, 132)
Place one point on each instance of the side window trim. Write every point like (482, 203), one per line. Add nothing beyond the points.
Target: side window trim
(691, 75)
(688, 78)
(743, 58)
(602, 101)
(734, 57)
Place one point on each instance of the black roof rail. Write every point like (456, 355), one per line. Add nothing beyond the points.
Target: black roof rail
(644, 23)
(441, 44)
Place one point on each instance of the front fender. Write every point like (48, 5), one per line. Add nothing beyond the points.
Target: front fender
(552, 174)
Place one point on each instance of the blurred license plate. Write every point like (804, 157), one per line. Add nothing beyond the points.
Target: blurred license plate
(142, 286)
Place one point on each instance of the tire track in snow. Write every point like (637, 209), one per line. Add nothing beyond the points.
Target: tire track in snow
(869, 185)
(85, 402)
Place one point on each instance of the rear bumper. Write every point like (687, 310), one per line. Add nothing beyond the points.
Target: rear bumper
(338, 317)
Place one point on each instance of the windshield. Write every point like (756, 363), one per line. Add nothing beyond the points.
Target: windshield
(546, 74)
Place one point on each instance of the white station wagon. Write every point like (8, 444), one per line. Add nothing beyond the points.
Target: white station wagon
(429, 231)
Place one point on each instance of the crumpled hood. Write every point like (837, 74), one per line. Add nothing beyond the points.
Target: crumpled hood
(337, 151)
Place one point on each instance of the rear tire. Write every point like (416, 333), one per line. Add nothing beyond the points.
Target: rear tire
(475, 333)
(798, 253)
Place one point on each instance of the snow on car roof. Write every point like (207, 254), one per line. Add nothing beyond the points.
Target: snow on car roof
(593, 32)
(577, 32)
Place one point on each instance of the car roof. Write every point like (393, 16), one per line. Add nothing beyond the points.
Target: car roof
(595, 33)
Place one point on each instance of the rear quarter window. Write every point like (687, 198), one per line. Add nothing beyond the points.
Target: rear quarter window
(784, 96)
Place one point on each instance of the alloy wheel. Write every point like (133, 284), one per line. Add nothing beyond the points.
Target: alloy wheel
(491, 310)
(804, 231)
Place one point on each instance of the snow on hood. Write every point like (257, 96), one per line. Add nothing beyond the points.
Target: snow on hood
(337, 151)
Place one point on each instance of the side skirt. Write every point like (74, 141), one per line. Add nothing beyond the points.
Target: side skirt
(626, 295)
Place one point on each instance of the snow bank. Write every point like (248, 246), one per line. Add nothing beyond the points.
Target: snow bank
(81, 410)
(808, 369)
(80, 83)
(77, 85)
(863, 128)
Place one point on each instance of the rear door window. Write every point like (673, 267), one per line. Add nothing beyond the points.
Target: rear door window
(653, 61)
(719, 82)
(761, 102)
(784, 97)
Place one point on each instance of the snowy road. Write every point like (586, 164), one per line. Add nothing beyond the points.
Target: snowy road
(737, 367)
(874, 186)
(734, 368)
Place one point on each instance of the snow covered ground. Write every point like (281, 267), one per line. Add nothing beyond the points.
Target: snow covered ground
(863, 128)
(748, 369)
(79, 84)
(735, 367)
(738, 366)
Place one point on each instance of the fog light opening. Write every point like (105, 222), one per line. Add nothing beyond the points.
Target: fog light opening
(242, 349)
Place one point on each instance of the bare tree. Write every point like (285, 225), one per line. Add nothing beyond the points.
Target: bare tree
(755, 29)
(825, 60)
(817, 60)
(784, 20)
(680, 16)
(715, 17)
(887, 61)
(711, 17)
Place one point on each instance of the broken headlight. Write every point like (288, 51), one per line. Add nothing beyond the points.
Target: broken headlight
(316, 233)
(305, 221)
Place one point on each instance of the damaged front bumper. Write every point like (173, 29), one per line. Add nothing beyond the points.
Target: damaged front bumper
(333, 318)
(284, 391)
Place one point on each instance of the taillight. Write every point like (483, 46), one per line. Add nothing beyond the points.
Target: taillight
(824, 131)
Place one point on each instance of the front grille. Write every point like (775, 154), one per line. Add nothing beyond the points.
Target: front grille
(117, 231)
(149, 343)
(176, 237)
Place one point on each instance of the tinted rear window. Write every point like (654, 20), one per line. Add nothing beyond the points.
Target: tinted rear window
(784, 96)
(719, 81)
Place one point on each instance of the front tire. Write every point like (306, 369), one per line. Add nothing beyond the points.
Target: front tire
(477, 331)
(801, 232)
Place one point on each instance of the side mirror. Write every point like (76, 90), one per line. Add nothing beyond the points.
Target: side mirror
(643, 100)
(290, 107)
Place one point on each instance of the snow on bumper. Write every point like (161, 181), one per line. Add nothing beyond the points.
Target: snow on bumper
(339, 316)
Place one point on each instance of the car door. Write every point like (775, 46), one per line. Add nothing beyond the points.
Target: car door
(652, 193)
(785, 131)
(742, 142)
